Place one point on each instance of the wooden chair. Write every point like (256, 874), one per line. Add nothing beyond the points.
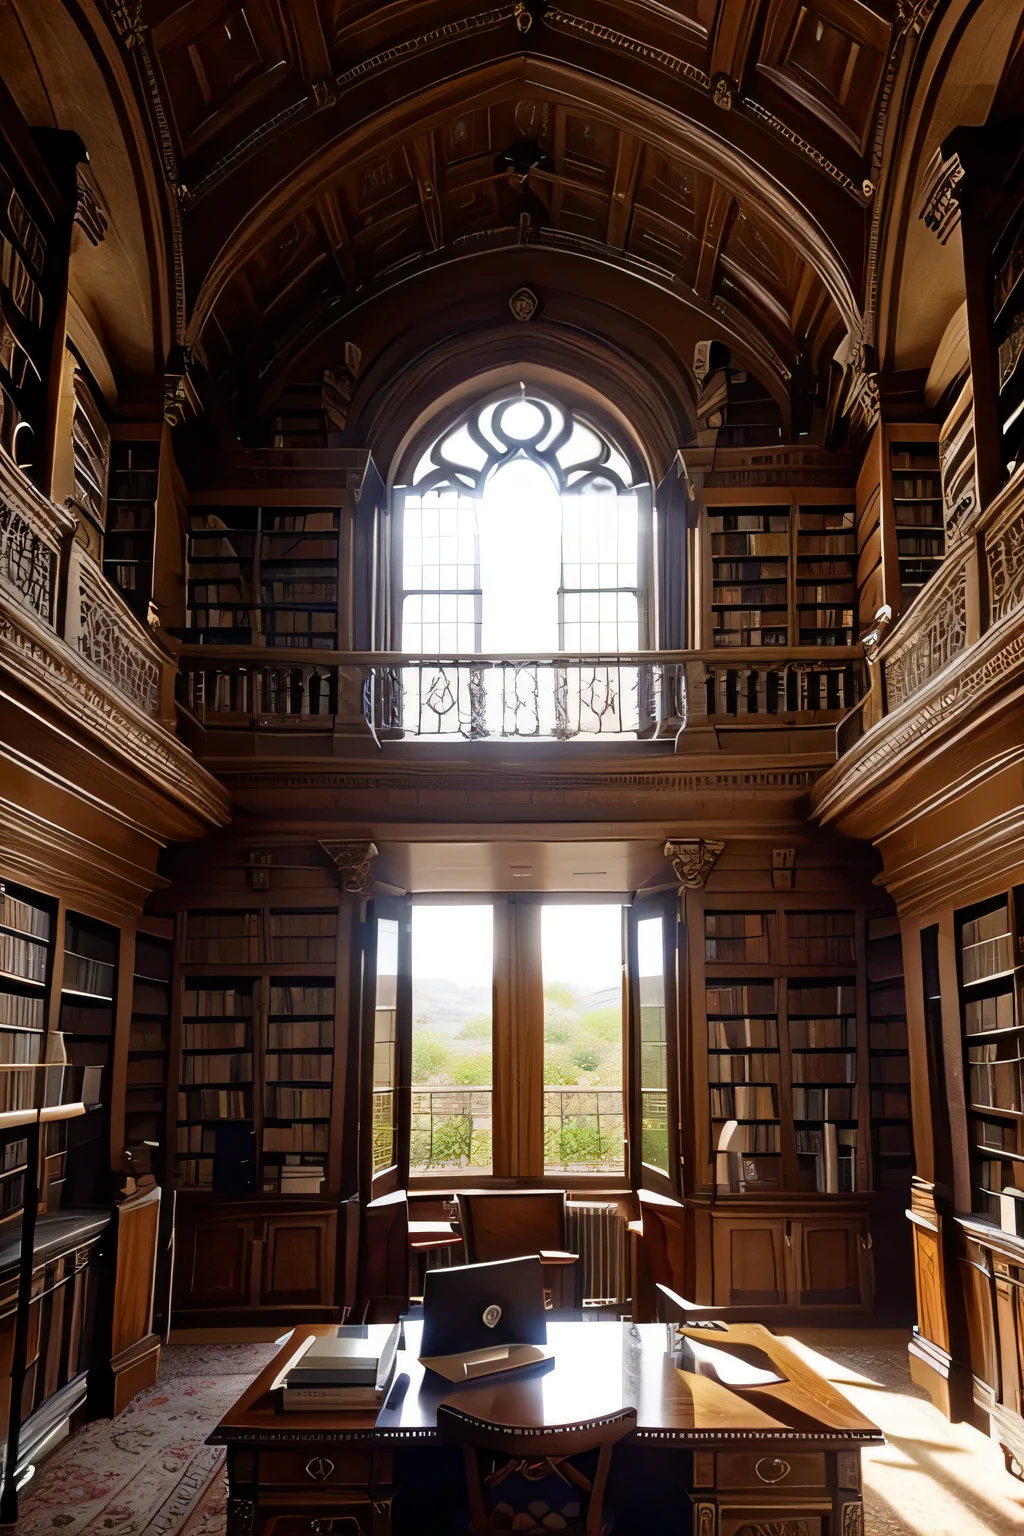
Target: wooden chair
(532, 1446)
(393, 1244)
(659, 1253)
(512, 1223)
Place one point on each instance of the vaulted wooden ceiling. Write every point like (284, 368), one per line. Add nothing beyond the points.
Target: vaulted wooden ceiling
(328, 156)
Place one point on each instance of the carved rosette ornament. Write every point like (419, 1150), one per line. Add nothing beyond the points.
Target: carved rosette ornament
(693, 860)
(353, 863)
(524, 304)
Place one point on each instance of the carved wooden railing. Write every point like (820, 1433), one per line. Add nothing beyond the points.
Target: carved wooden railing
(967, 607)
(645, 694)
(50, 581)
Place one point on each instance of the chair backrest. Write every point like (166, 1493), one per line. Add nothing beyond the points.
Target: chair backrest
(664, 1239)
(385, 1285)
(507, 1224)
(534, 1444)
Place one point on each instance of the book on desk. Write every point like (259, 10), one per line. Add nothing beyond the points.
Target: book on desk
(350, 1367)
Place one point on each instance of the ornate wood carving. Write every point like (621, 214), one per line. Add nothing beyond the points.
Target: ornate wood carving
(1006, 566)
(47, 666)
(353, 862)
(848, 1469)
(940, 208)
(32, 532)
(104, 638)
(693, 860)
(939, 635)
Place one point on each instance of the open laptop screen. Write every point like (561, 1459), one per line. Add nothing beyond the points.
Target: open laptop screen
(474, 1306)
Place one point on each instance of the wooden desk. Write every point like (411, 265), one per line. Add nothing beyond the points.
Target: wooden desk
(704, 1458)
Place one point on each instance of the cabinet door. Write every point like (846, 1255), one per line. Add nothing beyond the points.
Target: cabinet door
(750, 1264)
(214, 1267)
(298, 1260)
(834, 1262)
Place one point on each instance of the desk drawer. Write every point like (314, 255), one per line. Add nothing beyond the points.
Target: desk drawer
(356, 1518)
(788, 1521)
(805, 1469)
(310, 1469)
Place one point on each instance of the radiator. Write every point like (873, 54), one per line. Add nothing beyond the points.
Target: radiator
(597, 1232)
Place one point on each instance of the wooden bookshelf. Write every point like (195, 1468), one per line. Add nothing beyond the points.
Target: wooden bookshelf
(26, 958)
(891, 1127)
(131, 521)
(263, 576)
(917, 511)
(255, 1061)
(990, 969)
(78, 1154)
(145, 1111)
(779, 567)
(826, 561)
(750, 574)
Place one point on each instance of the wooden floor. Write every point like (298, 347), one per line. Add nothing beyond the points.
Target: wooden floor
(931, 1478)
(118, 1476)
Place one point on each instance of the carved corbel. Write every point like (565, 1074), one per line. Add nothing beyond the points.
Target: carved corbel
(338, 387)
(181, 398)
(353, 864)
(91, 216)
(940, 206)
(693, 860)
(874, 637)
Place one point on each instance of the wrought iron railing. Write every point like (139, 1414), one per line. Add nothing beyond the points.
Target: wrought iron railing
(450, 1129)
(584, 1130)
(645, 694)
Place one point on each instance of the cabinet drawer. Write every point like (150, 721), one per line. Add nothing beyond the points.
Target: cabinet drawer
(311, 1469)
(791, 1520)
(745, 1470)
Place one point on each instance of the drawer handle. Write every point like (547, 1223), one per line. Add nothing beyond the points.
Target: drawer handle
(319, 1469)
(770, 1469)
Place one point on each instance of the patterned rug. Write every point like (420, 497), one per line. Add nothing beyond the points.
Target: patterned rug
(147, 1471)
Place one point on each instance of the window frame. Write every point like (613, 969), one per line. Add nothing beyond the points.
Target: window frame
(526, 1101)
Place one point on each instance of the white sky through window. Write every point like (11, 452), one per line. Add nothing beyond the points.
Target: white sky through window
(520, 559)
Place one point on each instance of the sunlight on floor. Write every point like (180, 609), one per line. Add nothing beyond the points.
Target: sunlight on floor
(931, 1478)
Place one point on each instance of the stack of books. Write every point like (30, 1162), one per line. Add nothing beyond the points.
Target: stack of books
(350, 1367)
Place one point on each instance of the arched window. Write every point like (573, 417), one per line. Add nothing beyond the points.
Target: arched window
(524, 530)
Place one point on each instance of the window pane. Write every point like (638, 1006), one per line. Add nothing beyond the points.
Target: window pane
(581, 949)
(653, 1048)
(384, 1045)
(451, 1038)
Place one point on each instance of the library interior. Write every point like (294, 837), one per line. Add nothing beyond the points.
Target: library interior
(512, 767)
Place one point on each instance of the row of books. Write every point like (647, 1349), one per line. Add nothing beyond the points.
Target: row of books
(303, 1136)
(744, 1102)
(751, 1067)
(22, 957)
(289, 1067)
(24, 917)
(18, 1012)
(217, 1067)
(299, 1035)
(823, 1104)
(215, 1104)
(217, 1003)
(824, 1067)
(297, 1103)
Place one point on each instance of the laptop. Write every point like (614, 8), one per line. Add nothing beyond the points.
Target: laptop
(484, 1319)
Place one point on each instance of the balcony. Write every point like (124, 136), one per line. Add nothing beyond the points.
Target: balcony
(67, 635)
(645, 695)
(957, 651)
